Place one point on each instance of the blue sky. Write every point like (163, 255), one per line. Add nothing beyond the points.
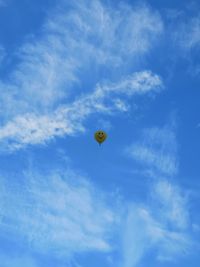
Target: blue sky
(69, 68)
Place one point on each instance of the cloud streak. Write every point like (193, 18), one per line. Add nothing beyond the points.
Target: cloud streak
(55, 213)
(164, 224)
(57, 60)
(189, 34)
(67, 120)
(75, 42)
(157, 150)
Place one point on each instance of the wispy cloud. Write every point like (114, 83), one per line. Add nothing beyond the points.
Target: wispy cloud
(169, 223)
(75, 42)
(50, 64)
(173, 204)
(162, 225)
(185, 31)
(157, 150)
(67, 120)
(62, 213)
(188, 35)
(134, 238)
(54, 213)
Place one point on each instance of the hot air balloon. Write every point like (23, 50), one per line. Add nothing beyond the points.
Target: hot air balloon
(100, 136)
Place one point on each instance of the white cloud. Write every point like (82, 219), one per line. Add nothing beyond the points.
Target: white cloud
(76, 42)
(162, 225)
(157, 149)
(134, 238)
(61, 213)
(67, 120)
(173, 204)
(137, 83)
(186, 39)
(170, 243)
(132, 30)
(188, 35)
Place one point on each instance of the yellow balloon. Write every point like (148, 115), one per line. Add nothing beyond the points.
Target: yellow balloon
(100, 136)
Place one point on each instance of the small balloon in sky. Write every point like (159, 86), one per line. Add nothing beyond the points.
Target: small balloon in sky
(100, 136)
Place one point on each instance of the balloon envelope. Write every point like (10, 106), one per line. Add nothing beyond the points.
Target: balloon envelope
(100, 136)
